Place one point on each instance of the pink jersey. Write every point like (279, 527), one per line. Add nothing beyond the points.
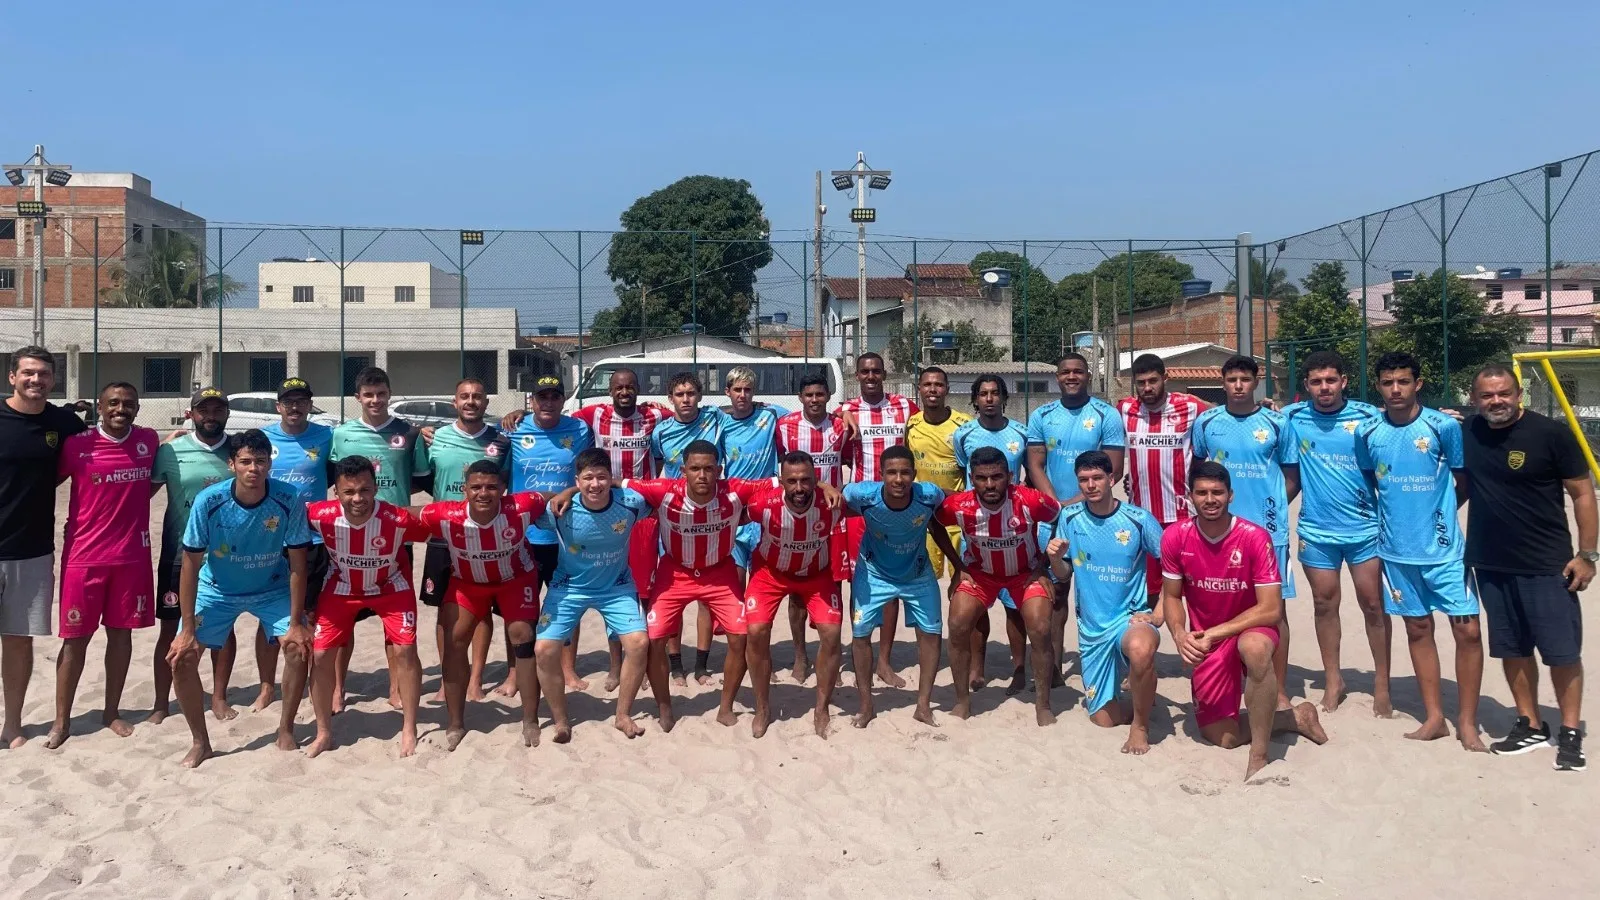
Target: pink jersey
(364, 560)
(1001, 542)
(108, 513)
(1158, 454)
(795, 545)
(826, 443)
(698, 536)
(626, 438)
(491, 554)
(1219, 577)
(882, 425)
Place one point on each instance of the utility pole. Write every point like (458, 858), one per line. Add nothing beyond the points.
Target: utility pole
(816, 271)
(861, 178)
(43, 171)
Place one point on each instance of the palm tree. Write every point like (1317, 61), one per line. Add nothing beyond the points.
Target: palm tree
(169, 275)
(1273, 285)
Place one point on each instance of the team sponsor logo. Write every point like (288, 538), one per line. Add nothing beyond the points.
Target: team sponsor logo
(1349, 427)
(1306, 445)
(1081, 557)
(544, 620)
(1158, 440)
(1422, 444)
(1235, 558)
(427, 585)
(274, 451)
(1516, 458)
(492, 451)
(169, 599)
(1089, 692)
(271, 524)
(856, 618)
(1261, 435)
(52, 439)
(1381, 471)
(74, 616)
(1220, 456)
(574, 548)
(650, 617)
(527, 442)
(221, 552)
(1395, 595)
(508, 533)
(701, 528)
(750, 603)
(1123, 536)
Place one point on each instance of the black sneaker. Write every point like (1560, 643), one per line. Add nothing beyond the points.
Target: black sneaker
(1523, 738)
(1569, 751)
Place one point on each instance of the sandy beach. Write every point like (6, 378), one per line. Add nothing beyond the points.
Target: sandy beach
(993, 806)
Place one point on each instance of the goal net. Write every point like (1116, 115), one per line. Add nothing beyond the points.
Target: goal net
(1565, 384)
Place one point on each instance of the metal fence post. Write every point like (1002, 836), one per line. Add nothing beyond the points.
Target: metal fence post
(694, 306)
(1444, 294)
(581, 265)
(916, 316)
(1271, 385)
(461, 304)
(1549, 310)
(1027, 346)
(343, 377)
(1130, 306)
(1244, 333)
(1364, 324)
(216, 376)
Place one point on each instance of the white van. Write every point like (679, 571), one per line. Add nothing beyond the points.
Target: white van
(777, 378)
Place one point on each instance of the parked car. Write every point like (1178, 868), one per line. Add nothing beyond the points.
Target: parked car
(424, 412)
(259, 409)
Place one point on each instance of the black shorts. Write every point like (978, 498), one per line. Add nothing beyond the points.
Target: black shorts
(169, 568)
(435, 574)
(316, 573)
(1528, 612)
(545, 555)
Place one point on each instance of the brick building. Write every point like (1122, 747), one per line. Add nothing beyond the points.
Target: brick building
(941, 292)
(1210, 318)
(129, 219)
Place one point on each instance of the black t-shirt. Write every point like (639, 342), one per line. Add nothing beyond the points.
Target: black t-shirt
(29, 449)
(1517, 517)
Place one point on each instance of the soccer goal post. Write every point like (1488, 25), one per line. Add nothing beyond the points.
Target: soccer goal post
(1565, 382)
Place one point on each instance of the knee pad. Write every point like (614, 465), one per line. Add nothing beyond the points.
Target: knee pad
(523, 650)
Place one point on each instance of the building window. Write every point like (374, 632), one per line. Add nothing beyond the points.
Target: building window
(352, 367)
(304, 293)
(1569, 335)
(1532, 291)
(8, 229)
(1494, 290)
(405, 293)
(1572, 287)
(163, 375)
(266, 288)
(355, 294)
(136, 235)
(267, 372)
(1387, 299)
(8, 279)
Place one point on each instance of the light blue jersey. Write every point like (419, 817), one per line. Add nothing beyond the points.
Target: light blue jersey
(1253, 448)
(1108, 558)
(1413, 466)
(301, 461)
(749, 445)
(1011, 440)
(669, 439)
(594, 545)
(1064, 432)
(1336, 503)
(541, 460)
(894, 542)
(244, 545)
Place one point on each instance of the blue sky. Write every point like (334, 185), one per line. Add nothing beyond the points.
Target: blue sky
(1039, 120)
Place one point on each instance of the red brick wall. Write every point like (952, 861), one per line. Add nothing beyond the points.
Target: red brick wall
(1213, 319)
(69, 244)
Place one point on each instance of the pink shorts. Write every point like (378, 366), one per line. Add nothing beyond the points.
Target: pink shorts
(675, 587)
(336, 618)
(1022, 588)
(644, 550)
(1218, 681)
(120, 595)
(767, 588)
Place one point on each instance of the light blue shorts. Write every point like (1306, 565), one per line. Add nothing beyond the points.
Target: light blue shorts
(869, 594)
(215, 613)
(1328, 555)
(745, 541)
(563, 609)
(1105, 666)
(1284, 572)
(1422, 590)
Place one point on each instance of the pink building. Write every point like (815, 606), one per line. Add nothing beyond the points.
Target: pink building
(1573, 306)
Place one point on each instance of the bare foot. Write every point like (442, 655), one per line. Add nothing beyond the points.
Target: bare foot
(1431, 730)
(286, 740)
(613, 681)
(563, 735)
(962, 709)
(702, 678)
(666, 718)
(759, 723)
(452, 738)
(117, 726)
(628, 727)
(679, 680)
(318, 744)
(1308, 724)
(475, 694)
(530, 734)
(820, 721)
(802, 669)
(1057, 679)
(157, 716)
(890, 677)
(977, 683)
(394, 702)
(408, 744)
(56, 738)
(439, 697)
(574, 683)
(864, 717)
(263, 699)
(338, 702)
(925, 716)
(1381, 707)
(1138, 742)
(1019, 682)
(198, 754)
(1256, 764)
(1332, 695)
(1044, 716)
(221, 710)
(507, 688)
(1470, 740)
(726, 717)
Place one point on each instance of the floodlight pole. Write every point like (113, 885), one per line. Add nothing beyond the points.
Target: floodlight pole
(860, 174)
(40, 167)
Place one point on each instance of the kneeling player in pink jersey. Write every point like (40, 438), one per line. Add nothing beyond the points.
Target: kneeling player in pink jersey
(105, 563)
(1224, 571)
(1000, 552)
(367, 570)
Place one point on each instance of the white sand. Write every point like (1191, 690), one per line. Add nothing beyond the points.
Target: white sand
(989, 807)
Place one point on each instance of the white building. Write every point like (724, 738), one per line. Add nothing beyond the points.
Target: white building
(315, 284)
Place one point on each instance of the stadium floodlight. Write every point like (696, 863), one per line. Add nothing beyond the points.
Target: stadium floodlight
(878, 182)
(32, 209)
(16, 177)
(842, 182)
(472, 238)
(1553, 170)
(863, 214)
(58, 177)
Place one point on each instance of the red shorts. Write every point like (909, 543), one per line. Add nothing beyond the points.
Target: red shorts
(842, 546)
(644, 549)
(1021, 588)
(767, 588)
(336, 618)
(674, 588)
(515, 601)
(121, 595)
(1218, 681)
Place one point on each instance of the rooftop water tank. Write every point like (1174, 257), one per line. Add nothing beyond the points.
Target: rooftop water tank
(1401, 275)
(1195, 287)
(944, 340)
(547, 330)
(780, 318)
(1510, 273)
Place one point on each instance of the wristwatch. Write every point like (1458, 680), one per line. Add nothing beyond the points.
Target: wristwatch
(1589, 556)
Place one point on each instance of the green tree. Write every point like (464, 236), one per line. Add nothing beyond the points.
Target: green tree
(905, 345)
(688, 252)
(1156, 282)
(168, 275)
(1323, 317)
(1037, 319)
(1479, 333)
(1264, 285)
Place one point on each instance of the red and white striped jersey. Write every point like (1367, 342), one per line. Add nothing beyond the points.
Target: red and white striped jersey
(1159, 454)
(826, 444)
(626, 438)
(882, 425)
(698, 536)
(364, 560)
(496, 553)
(795, 545)
(1001, 542)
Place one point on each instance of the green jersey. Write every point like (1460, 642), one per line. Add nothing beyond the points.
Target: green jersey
(453, 450)
(187, 466)
(395, 450)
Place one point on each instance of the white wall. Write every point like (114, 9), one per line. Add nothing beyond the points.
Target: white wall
(432, 287)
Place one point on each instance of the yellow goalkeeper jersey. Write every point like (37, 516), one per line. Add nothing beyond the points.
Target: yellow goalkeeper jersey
(934, 452)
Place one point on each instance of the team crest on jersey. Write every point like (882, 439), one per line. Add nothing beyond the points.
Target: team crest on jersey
(74, 616)
(274, 451)
(51, 439)
(1261, 435)
(1089, 692)
(527, 442)
(142, 449)
(508, 534)
(1123, 536)
(1235, 558)
(397, 442)
(566, 443)
(733, 453)
(821, 527)
(313, 454)
(1016, 522)
(1090, 423)
(271, 523)
(1395, 595)
(918, 520)
(169, 599)
(544, 620)
(761, 425)
(1013, 446)
(427, 585)
(1422, 444)
(1516, 458)
(856, 618)
(1349, 427)
(619, 527)
(492, 450)
(379, 542)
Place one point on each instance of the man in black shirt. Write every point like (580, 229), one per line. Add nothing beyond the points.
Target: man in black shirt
(32, 432)
(1520, 551)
